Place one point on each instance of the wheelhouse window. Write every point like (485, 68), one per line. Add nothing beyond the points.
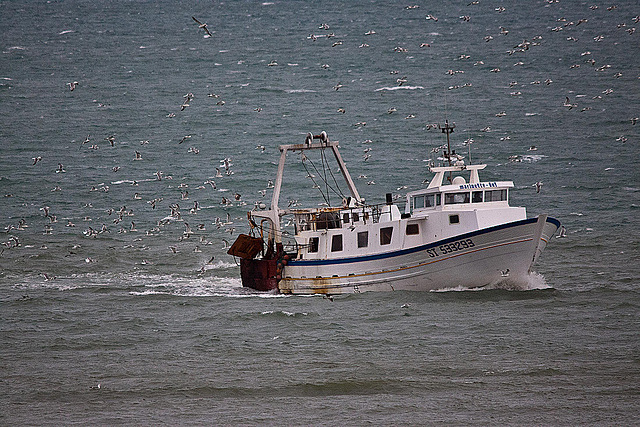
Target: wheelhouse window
(336, 243)
(476, 197)
(426, 201)
(412, 229)
(418, 202)
(313, 244)
(454, 219)
(355, 217)
(385, 235)
(495, 195)
(363, 239)
(345, 218)
(456, 198)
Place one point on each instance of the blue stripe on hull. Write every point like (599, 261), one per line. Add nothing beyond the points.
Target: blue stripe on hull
(313, 262)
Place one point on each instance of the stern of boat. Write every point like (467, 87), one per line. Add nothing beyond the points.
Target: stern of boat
(261, 274)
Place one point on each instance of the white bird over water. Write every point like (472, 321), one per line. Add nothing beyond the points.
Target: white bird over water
(203, 26)
(567, 103)
(187, 230)
(538, 186)
(563, 232)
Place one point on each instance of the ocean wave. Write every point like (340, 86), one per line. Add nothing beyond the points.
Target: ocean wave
(284, 313)
(220, 265)
(532, 158)
(124, 181)
(214, 286)
(300, 91)
(399, 88)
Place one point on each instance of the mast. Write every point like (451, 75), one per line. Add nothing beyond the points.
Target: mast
(448, 129)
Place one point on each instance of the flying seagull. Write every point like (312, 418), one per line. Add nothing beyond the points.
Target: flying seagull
(203, 26)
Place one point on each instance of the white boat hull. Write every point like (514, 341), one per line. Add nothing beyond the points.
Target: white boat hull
(484, 257)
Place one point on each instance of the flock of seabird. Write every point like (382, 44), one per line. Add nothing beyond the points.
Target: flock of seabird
(123, 215)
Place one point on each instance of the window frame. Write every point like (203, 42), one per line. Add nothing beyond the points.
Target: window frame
(363, 235)
(386, 235)
(415, 229)
(337, 243)
(314, 245)
(450, 198)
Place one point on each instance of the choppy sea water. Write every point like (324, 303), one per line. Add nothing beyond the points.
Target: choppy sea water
(112, 314)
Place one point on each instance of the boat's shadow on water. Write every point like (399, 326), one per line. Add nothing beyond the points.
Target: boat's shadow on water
(501, 292)
(493, 294)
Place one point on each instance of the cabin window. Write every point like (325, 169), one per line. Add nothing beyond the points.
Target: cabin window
(313, 244)
(455, 198)
(438, 199)
(355, 217)
(363, 239)
(454, 219)
(430, 200)
(336, 243)
(328, 220)
(412, 229)
(385, 235)
(418, 202)
(476, 197)
(495, 195)
(345, 218)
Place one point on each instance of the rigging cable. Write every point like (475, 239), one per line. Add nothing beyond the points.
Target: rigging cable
(326, 199)
(325, 166)
(339, 191)
(310, 175)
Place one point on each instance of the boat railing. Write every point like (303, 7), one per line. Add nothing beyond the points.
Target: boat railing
(335, 218)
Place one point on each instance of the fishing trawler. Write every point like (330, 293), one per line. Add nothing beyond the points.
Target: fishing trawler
(458, 232)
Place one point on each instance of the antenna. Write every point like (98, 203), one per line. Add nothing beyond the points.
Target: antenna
(445, 105)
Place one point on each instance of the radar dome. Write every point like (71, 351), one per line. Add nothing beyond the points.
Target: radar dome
(458, 180)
